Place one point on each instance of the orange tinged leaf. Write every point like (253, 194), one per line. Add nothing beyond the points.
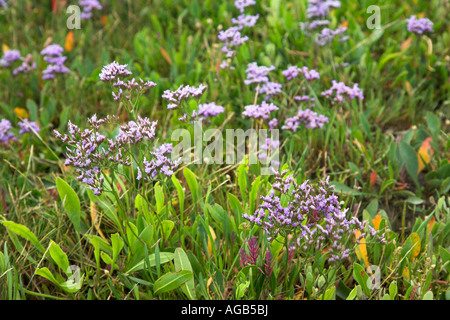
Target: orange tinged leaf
(376, 222)
(165, 55)
(21, 113)
(406, 273)
(431, 223)
(70, 41)
(361, 249)
(359, 145)
(344, 24)
(406, 44)
(415, 245)
(5, 47)
(104, 20)
(424, 154)
(373, 178)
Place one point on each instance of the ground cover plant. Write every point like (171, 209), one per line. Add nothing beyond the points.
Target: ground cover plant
(224, 150)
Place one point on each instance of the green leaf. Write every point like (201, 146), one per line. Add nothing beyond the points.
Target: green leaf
(171, 281)
(167, 227)
(393, 290)
(192, 183)
(428, 296)
(242, 181)
(329, 294)
(360, 275)
(59, 257)
(182, 262)
(164, 257)
(23, 232)
(46, 273)
(180, 192)
(160, 199)
(409, 158)
(254, 193)
(71, 202)
(117, 245)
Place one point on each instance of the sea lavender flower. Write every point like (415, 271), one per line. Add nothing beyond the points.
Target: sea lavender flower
(270, 89)
(242, 4)
(208, 110)
(257, 74)
(113, 73)
(9, 57)
(293, 71)
(311, 119)
(261, 111)
(320, 8)
(114, 70)
(88, 6)
(419, 26)
(327, 35)
(28, 126)
(3, 4)
(53, 56)
(341, 90)
(243, 20)
(160, 162)
(312, 214)
(5, 131)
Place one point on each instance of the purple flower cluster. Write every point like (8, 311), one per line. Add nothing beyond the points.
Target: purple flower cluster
(419, 26)
(178, 98)
(242, 4)
(318, 11)
(311, 119)
(27, 126)
(341, 90)
(311, 214)
(160, 163)
(293, 71)
(11, 56)
(3, 4)
(5, 131)
(321, 8)
(114, 71)
(257, 74)
(91, 151)
(261, 111)
(53, 56)
(183, 93)
(88, 6)
(327, 35)
(206, 110)
(6, 134)
(232, 37)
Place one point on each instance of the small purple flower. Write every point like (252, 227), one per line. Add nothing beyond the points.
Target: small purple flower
(341, 90)
(28, 126)
(242, 4)
(114, 70)
(419, 26)
(5, 134)
(321, 8)
(270, 89)
(245, 20)
(53, 55)
(88, 6)
(257, 74)
(9, 57)
(209, 110)
(259, 111)
(52, 50)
